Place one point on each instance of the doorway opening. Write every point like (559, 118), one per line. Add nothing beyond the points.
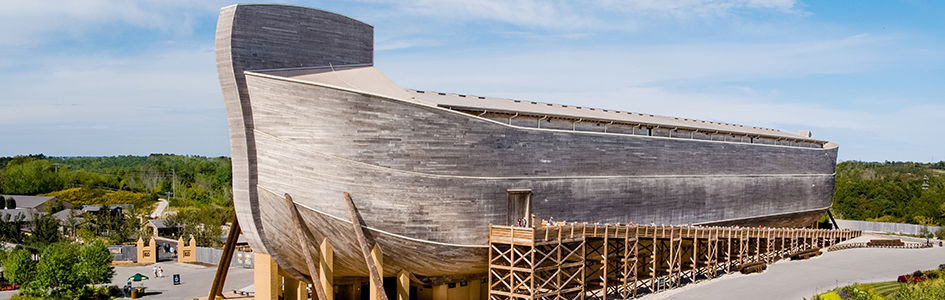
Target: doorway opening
(520, 206)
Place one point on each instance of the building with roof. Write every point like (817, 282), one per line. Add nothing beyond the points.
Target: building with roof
(310, 116)
(160, 227)
(114, 208)
(39, 203)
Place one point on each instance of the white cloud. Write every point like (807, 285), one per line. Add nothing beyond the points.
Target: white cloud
(701, 8)
(167, 100)
(580, 68)
(559, 14)
(31, 22)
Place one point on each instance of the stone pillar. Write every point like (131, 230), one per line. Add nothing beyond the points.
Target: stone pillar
(147, 253)
(326, 269)
(266, 281)
(186, 253)
(403, 286)
(378, 258)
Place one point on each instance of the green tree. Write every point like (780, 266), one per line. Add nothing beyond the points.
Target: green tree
(10, 228)
(44, 229)
(95, 264)
(55, 272)
(30, 176)
(19, 267)
(204, 223)
(10, 203)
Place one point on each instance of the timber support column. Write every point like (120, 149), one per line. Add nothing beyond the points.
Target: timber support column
(326, 269)
(403, 285)
(294, 289)
(377, 290)
(266, 281)
(440, 292)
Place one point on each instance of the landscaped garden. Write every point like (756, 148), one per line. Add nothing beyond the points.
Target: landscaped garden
(919, 285)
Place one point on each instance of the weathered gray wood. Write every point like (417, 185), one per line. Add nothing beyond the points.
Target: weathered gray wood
(366, 246)
(430, 179)
(306, 244)
(254, 37)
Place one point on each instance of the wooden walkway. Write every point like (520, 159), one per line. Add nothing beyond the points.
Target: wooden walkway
(579, 261)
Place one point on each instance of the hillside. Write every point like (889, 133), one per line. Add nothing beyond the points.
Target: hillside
(890, 192)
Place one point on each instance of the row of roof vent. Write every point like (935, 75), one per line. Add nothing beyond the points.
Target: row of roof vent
(615, 111)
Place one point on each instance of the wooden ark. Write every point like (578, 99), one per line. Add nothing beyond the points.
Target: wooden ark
(310, 116)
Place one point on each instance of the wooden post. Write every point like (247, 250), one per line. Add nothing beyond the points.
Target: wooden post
(293, 289)
(326, 269)
(305, 244)
(440, 292)
(216, 288)
(377, 281)
(377, 287)
(403, 285)
(265, 277)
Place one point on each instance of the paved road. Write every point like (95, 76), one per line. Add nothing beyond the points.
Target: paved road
(195, 280)
(796, 280)
(159, 208)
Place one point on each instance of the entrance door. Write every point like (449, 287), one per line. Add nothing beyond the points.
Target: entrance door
(520, 205)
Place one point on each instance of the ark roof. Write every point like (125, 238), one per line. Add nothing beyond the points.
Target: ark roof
(366, 78)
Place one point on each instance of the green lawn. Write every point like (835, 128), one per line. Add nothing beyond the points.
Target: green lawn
(884, 289)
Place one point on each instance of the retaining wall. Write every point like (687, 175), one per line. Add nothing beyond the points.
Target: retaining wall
(212, 256)
(885, 227)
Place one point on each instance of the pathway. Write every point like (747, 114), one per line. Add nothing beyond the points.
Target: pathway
(796, 280)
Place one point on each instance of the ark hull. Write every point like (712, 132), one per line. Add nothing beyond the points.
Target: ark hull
(429, 180)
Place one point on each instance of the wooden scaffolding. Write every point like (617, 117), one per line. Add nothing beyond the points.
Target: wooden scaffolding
(578, 261)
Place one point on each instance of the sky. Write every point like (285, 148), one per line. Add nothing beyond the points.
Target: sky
(98, 77)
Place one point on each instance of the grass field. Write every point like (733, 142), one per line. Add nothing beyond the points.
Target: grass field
(884, 289)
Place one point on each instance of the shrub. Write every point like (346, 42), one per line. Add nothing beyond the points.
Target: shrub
(19, 267)
(95, 264)
(855, 292)
(54, 273)
(940, 234)
(925, 291)
(911, 279)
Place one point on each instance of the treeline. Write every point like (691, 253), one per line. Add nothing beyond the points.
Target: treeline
(187, 180)
(891, 192)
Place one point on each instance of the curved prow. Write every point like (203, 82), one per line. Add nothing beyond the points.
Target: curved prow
(265, 37)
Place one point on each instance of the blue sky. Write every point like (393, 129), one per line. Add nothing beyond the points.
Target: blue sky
(96, 77)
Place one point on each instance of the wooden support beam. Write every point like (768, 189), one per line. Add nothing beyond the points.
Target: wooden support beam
(326, 269)
(266, 281)
(294, 289)
(403, 285)
(216, 288)
(305, 243)
(377, 281)
(377, 289)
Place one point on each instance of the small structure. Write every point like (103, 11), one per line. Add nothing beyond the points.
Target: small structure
(187, 253)
(160, 227)
(147, 253)
(114, 208)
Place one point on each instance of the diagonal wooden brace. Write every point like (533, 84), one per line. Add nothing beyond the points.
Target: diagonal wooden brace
(304, 236)
(366, 247)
